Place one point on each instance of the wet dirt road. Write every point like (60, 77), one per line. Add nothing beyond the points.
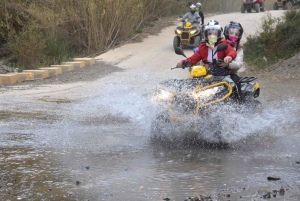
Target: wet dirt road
(89, 140)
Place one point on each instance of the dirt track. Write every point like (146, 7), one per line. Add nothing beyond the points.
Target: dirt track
(154, 55)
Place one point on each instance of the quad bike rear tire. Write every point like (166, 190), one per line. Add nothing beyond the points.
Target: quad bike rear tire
(197, 41)
(242, 8)
(275, 6)
(257, 7)
(176, 42)
(262, 8)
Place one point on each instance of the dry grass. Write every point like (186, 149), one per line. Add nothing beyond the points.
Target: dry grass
(38, 32)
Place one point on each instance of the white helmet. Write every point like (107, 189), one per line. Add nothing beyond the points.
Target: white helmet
(213, 25)
(193, 7)
(199, 4)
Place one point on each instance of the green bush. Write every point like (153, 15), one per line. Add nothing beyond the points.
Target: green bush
(27, 47)
(278, 40)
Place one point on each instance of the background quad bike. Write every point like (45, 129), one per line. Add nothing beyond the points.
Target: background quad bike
(285, 4)
(187, 35)
(249, 5)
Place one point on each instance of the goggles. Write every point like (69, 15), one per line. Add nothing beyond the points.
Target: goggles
(233, 32)
(212, 32)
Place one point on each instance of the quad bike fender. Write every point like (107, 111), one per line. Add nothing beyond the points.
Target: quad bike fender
(251, 89)
(256, 86)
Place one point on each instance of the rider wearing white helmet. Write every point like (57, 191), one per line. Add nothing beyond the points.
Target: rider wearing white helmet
(213, 37)
(213, 33)
(191, 16)
(198, 10)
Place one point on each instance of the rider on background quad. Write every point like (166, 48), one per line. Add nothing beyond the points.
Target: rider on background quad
(191, 16)
(198, 10)
(213, 37)
(233, 33)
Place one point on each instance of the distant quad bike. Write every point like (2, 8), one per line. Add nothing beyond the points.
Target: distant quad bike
(188, 34)
(286, 4)
(249, 5)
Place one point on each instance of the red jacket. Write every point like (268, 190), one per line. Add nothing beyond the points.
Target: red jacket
(202, 53)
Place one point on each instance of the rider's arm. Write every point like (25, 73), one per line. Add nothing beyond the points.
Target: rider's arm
(202, 17)
(230, 51)
(185, 16)
(197, 56)
(237, 63)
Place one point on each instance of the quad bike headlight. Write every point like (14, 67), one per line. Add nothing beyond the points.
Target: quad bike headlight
(163, 95)
(178, 31)
(208, 93)
(193, 31)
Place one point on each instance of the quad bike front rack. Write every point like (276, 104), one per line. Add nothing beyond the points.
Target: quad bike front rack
(198, 89)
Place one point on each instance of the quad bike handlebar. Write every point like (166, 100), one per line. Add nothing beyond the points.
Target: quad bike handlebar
(184, 64)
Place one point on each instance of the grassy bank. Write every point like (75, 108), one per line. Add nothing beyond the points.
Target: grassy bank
(279, 39)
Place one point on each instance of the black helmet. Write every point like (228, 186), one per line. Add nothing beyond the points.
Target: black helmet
(233, 25)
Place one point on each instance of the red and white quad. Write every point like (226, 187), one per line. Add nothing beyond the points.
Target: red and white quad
(249, 5)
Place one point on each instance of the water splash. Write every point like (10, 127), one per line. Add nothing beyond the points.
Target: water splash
(118, 112)
(228, 123)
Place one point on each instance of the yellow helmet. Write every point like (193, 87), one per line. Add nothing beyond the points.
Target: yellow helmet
(198, 71)
(188, 24)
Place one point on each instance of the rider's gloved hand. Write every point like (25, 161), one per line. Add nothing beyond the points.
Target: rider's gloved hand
(179, 65)
(183, 64)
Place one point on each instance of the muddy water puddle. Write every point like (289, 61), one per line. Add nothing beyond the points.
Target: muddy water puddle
(148, 172)
(83, 153)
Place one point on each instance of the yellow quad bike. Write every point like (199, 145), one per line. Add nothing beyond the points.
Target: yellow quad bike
(186, 35)
(188, 100)
(286, 4)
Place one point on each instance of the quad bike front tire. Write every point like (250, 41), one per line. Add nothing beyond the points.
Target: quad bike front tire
(275, 6)
(159, 127)
(257, 107)
(242, 8)
(197, 41)
(176, 42)
(257, 7)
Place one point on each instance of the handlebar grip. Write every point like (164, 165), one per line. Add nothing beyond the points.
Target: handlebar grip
(185, 63)
(220, 61)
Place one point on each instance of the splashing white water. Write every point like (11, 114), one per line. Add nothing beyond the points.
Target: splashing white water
(123, 107)
(230, 124)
